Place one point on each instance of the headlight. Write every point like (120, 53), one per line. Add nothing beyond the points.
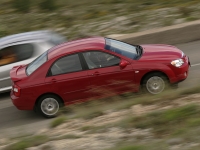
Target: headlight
(177, 63)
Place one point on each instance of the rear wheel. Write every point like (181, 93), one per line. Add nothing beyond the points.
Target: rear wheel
(155, 83)
(49, 105)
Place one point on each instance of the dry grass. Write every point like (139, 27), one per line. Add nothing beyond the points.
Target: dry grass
(28, 142)
(164, 122)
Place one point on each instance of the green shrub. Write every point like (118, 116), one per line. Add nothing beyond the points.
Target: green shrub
(166, 121)
(49, 5)
(28, 142)
(185, 11)
(22, 5)
(67, 136)
(57, 121)
(193, 122)
(129, 147)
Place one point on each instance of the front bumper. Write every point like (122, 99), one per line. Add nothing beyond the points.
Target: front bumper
(180, 73)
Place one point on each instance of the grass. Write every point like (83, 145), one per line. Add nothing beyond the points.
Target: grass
(58, 121)
(132, 147)
(67, 136)
(95, 129)
(96, 108)
(28, 142)
(21, 136)
(193, 90)
(86, 128)
(141, 146)
(181, 121)
(164, 122)
(88, 113)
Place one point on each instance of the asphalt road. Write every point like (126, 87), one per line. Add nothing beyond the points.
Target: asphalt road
(15, 122)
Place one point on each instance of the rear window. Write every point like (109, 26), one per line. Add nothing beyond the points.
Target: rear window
(122, 48)
(34, 65)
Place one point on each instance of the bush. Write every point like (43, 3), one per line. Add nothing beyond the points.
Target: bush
(28, 142)
(49, 5)
(57, 121)
(22, 5)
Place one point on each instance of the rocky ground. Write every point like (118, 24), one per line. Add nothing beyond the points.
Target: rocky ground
(112, 131)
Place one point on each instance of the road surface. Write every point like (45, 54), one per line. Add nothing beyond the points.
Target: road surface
(12, 120)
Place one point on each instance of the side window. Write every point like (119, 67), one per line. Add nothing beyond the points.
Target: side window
(15, 53)
(66, 64)
(97, 59)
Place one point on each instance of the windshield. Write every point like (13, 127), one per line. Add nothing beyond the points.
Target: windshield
(122, 48)
(36, 63)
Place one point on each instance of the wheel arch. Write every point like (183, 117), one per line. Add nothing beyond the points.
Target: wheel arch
(151, 72)
(49, 93)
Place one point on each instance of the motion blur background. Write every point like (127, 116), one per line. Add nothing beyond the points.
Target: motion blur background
(74, 18)
(169, 121)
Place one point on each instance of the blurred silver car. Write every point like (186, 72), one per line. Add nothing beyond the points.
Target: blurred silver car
(22, 49)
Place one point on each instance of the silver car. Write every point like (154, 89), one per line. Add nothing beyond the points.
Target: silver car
(22, 49)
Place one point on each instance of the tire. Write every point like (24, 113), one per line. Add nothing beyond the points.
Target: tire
(155, 83)
(49, 105)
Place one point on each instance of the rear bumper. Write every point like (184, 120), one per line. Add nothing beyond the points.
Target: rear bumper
(21, 103)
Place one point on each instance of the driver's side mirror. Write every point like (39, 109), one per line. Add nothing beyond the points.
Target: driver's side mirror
(123, 64)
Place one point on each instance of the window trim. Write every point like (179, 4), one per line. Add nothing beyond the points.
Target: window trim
(98, 51)
(49, 73)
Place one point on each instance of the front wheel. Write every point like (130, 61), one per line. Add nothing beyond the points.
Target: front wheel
(155, 83)
(49, 105)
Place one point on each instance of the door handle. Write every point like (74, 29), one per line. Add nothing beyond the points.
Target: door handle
(53, 80)
(95, 74)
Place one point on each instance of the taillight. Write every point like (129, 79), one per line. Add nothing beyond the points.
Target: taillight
(16, 90)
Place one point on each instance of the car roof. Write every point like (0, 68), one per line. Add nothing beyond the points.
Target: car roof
(92, 43)
(26, 36)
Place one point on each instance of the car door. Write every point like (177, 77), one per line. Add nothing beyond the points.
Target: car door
(11, 56)
(68, 78)
(106, 76)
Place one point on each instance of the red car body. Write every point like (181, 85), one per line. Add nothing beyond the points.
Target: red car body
(76, 86)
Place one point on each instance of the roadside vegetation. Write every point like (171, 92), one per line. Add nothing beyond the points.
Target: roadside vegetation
(88, 17)
(58, 121)
(162, 121)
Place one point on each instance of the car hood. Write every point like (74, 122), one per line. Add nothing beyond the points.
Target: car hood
(18, 73)
(160, 52)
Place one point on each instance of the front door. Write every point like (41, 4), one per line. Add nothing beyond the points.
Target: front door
(106, 76)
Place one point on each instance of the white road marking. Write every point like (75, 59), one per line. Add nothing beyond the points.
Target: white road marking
(195, 65)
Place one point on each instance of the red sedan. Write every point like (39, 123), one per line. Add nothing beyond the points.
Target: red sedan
(69, 73)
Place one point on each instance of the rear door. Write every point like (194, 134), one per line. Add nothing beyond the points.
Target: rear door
(68, 78)
(106, 76)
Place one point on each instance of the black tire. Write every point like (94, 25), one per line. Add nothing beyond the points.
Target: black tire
(49, 105)
(155, 83)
